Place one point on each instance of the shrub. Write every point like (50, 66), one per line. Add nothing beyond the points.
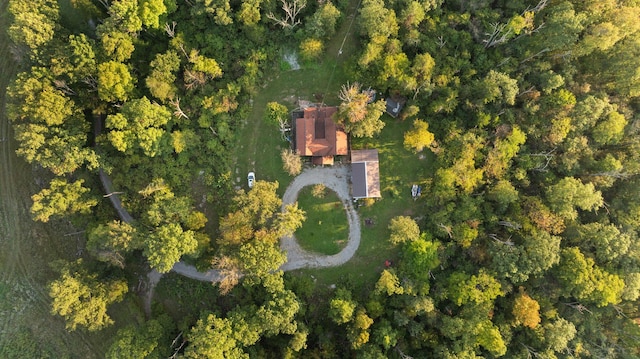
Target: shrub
(319, 191)
(311, 49)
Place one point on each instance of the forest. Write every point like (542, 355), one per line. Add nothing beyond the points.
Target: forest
(526, 246)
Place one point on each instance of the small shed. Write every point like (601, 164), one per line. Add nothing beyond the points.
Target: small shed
(394, 106)
(365, 174)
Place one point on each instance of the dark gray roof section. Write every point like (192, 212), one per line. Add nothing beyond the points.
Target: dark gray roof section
(359, 180)
(394, 107)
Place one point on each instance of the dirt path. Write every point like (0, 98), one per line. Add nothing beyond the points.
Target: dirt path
(26, 248)
(335, 178)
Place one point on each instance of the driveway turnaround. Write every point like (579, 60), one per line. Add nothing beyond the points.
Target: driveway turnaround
(335, 178)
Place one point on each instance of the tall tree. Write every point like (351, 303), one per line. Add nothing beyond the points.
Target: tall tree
(140, 125)
(358, 114)
(34, 23)
(82, 298)
(585, 281)
(149, 340)
(164, 246)
(570, 193)
(115, 82)
(62, 199)
(50, 127)
(111, 242)
(419, 137)
(403, 229)
(526, 310)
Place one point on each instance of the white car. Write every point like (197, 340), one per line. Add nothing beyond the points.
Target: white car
(251, 179)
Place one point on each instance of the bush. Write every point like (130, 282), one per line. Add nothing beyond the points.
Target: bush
(311, 49)
(319, 191)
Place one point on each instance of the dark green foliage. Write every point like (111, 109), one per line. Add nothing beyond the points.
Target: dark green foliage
(531, 107)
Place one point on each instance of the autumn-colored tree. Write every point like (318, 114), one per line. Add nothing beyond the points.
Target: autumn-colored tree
(291, 162)
(526, 310)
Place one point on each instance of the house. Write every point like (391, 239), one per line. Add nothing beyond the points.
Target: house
(318, 136)
(365, 174)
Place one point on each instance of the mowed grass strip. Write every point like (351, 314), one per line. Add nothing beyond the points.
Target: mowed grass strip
(326, 229)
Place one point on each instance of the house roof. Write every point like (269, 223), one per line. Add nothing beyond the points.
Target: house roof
(318, 135)
(394, 107)
(365, 174)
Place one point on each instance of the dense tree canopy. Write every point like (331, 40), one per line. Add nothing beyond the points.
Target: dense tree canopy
(525, 246)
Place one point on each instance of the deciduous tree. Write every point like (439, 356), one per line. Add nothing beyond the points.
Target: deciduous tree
(140, 125)
(62, 199)
(149, 340)
(291, 161)
(110, 242)
(166, 244)
(526, 310)
(34, 23)
(419, 137)
(585, 281)
(570, 193)
(115, 82)
(403, 229)
(359, 117)
(82, 298)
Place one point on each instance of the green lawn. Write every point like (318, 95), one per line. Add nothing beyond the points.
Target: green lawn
(399, 169)
(259, 144)
(326, 229)
(259, 151)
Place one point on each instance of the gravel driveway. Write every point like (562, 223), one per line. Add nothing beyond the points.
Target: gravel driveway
(335, 178)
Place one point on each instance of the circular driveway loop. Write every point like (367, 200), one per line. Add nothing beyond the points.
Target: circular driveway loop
(335, 178)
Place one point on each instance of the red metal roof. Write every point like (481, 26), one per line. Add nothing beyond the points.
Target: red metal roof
(318, 135)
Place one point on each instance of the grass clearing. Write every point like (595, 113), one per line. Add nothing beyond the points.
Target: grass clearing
(26, 249)
(399, 168)
(259, 143)
(326, 229)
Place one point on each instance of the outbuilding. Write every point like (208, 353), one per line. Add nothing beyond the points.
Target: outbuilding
(365, 174)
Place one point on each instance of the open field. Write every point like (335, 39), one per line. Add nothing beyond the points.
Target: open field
(26, 248)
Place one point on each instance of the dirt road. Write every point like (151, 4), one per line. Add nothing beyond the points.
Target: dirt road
(26, 248)
(335, 178)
